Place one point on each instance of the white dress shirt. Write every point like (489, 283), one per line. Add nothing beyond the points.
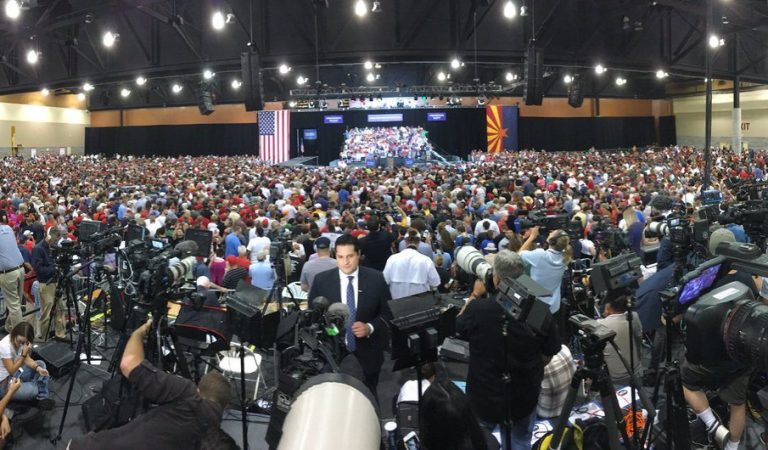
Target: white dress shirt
(343, 283)
(409, 273)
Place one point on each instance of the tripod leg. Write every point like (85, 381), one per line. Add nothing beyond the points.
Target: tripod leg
(613, 414)
(557, 434)
(677, 410)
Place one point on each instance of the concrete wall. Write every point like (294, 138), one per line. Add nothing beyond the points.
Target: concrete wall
(43, 128)
(689, 118)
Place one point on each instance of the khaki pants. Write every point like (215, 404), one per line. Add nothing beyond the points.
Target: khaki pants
(12, 286)
(47, 298)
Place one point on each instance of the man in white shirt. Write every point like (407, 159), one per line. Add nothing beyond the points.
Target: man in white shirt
(409, 272)
(259, 243)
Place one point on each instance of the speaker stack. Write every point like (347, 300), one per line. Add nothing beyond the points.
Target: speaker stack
(250, 65)
(534, 72)
(575, 92)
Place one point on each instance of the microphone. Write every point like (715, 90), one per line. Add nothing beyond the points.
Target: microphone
(337, 318)
(320, 304)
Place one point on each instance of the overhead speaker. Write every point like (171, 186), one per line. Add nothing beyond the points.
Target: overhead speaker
(205, 102)
(575, 93)
(250, 66)
(534, 72)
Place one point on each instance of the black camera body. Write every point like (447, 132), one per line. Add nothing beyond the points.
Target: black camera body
(546, 224)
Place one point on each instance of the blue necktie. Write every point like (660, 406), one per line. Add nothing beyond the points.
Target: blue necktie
(351, 342)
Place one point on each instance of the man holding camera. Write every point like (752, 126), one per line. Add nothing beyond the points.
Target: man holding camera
(519, 354)
(548, 266)
(185, 414)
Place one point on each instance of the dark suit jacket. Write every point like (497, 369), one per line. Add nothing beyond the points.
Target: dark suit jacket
(372, 307)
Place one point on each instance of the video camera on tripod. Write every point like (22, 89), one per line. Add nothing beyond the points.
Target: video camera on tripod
(546, 223)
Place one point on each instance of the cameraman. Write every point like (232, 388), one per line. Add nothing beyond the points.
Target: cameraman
(45, 267)
(548, 266)
(185, 414)
(481, 322)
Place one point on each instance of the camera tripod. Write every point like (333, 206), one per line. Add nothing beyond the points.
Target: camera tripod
(676, 409)
(596, 370)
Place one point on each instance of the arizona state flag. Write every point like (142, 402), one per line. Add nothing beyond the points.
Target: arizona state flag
(502, 128)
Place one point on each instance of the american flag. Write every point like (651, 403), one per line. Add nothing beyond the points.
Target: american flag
(274, 136)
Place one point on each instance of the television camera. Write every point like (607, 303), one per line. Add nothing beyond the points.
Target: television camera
(546, 223)
(310, 344)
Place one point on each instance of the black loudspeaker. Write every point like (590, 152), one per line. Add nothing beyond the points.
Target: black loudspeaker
(250, 65)
(575, 93)
(58, 356)
(534, 71)
(205, 102)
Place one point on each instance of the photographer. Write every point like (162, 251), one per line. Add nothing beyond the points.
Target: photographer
(615, 318)
(481, 322)
(548, 266)
(45, 267)
(185, 413)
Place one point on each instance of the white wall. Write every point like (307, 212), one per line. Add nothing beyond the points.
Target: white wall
(45, 128)
(690, 113)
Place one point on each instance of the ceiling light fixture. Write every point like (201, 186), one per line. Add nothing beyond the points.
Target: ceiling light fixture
(32, 56)
(141, 81)
(125, 92)
(567, 79)
(455, 63)
(218, 21)
(284, 69)
(361, 8)
(236, 84)
(81, 96)
(176, 88)
(45, 92)
(441, 76)
(109, 38)
(621, 81)
(600, 69)
(12, 9)
(510, 10)
(660, 74)
(368, 65)
(301, 80)
(370, 77)
(208, 74)
(87, 87)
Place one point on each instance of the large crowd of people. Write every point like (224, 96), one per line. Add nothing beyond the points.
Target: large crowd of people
(398, 228)
(382, 142)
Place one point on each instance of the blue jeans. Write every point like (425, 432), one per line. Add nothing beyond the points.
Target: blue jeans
(33, 386)
(521, 433)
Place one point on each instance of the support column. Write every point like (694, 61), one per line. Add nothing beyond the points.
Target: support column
(736, 119)
(708, 104)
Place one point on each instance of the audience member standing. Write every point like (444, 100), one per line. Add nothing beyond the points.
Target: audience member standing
(409, 272)
(11, 273)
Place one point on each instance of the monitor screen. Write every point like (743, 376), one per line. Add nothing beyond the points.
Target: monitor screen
(696, 286)
(310, 134)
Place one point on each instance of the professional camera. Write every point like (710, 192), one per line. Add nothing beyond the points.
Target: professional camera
(546, 224)
(680, 232)
(728, 323)
(64, 254)
(607, 238)
(472, 261)
(517, 297)
(279, 254)
(753, 216)
(309, 345)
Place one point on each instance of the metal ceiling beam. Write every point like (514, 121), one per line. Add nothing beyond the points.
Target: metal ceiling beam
(417, 27)
(94, 49)
(136, 37)
(473, 26)
(47, 13)
(546, 26)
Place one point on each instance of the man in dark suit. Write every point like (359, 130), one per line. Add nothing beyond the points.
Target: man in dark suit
(366, 294)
